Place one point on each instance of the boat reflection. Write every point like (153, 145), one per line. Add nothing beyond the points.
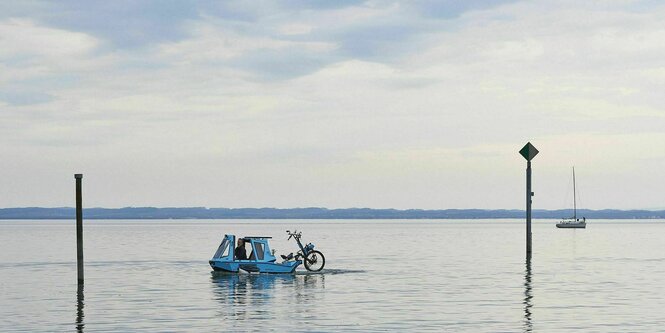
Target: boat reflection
(528, 326)
(249, 296)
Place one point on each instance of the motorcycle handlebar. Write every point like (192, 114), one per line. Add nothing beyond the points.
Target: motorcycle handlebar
(295, 234)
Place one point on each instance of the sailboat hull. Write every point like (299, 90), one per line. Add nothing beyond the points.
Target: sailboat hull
(574, 225)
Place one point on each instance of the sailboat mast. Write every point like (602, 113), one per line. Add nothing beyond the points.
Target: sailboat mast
(574, 197)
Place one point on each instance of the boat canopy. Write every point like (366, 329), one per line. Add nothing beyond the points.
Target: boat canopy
(260, 250)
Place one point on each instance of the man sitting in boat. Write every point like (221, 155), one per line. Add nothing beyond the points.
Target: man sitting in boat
(240, 252)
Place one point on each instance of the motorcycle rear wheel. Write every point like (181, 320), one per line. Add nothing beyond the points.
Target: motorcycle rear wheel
(314, 261)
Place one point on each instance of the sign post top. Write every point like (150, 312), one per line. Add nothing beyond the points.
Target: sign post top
(528, 151)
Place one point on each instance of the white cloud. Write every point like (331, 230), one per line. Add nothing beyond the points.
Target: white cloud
(215, 43)
(24, 38)
(436, 124)
(295, 29)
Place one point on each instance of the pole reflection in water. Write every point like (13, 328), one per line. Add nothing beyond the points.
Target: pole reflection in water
(79, 308)
(528, 326)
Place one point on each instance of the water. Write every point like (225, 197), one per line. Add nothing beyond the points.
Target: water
(424, 275)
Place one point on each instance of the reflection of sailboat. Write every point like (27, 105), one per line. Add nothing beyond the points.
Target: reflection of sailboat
(573, 222)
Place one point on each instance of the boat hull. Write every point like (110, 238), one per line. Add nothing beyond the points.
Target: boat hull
(571, 225)
(255, 266)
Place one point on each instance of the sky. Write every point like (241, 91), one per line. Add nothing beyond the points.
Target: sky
(382, 104)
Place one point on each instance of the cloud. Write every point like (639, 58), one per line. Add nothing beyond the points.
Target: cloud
(382, 104)
(265, 57)
(34, 57)
(122, 24)
(21, 98)
(450, 9)
(21, 39)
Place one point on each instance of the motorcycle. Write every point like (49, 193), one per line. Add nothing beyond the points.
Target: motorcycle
(313, 259)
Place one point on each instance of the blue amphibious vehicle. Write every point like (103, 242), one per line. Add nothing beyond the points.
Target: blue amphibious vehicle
(262, 259)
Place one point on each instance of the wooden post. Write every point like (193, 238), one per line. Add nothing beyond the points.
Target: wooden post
(79, 228)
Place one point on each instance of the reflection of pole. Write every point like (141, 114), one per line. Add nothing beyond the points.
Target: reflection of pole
(528, 208)
(79, 308)
(79, 228)
(528, 327)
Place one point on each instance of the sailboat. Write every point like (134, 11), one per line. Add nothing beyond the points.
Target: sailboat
(573, 222)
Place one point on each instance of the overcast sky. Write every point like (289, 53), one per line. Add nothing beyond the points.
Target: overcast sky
(415, 104)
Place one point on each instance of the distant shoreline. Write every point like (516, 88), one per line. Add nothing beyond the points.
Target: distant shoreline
(314, 213)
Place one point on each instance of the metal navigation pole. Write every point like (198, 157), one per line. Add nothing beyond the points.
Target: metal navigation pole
(79, 229)
(528, 152)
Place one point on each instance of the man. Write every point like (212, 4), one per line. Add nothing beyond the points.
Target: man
(240, 252)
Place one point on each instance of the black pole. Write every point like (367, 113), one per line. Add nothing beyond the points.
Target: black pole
(528, 152)
(79, 228)
(528, 208)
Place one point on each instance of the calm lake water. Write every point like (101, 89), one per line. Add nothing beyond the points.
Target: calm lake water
(392, 275)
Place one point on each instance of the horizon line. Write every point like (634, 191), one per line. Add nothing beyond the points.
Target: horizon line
(345, 208)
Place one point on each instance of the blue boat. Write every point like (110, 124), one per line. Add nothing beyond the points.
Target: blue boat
(261, 259)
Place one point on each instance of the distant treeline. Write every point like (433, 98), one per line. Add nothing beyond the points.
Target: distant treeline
(312, 213)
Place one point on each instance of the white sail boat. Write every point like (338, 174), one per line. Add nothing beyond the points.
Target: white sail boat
(573, 222)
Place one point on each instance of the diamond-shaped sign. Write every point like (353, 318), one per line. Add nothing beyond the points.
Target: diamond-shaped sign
(528, 151)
